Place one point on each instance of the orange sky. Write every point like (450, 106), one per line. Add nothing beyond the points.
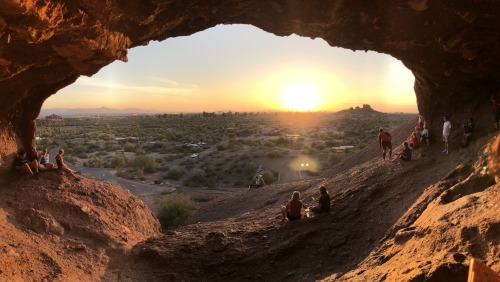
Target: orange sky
(242, 68)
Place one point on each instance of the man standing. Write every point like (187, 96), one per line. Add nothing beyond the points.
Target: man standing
(384, 140)
(446, 134)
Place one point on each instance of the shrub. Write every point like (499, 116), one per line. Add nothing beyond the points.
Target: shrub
(95, 161)
(269, 176)
(146, 163)
(118, 161)
(175, 173)
(174, 210)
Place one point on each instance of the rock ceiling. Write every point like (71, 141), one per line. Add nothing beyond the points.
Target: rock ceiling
(452, 47)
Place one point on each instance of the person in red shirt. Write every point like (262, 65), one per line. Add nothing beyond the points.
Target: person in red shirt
(292, 210)
(413, 141)
(384, 139)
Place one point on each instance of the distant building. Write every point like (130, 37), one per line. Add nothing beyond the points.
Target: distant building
(54, 117)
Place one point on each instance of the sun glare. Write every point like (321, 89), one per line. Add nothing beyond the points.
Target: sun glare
(300, 97)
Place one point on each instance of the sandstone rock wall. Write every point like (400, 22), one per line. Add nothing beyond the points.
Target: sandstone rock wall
(452, 47)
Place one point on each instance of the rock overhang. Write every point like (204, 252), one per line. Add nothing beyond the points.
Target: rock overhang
(452, 48)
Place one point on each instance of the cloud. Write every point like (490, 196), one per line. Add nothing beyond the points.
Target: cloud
(166, 86)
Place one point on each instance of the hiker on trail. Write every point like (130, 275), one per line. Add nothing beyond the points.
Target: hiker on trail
(61, 166)
(446, 134)
(384, 139)
(425, 135)
(24, 165)
(495, 109)
(292, 210)
(44, 161)
(323, 202)
(468, 129)
(406, 153)
(421, 122)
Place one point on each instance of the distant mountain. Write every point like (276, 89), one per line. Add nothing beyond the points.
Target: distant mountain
(96, 111)
(366, 109)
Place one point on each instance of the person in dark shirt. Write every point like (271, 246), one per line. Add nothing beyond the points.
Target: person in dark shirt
(468, 129)
(406, 153)
(24, 165)
(323, 202)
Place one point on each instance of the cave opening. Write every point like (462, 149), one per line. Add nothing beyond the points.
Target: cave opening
(242, 68)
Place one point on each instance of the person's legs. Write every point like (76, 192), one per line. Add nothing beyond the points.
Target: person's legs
(26, 168)
(34, 166)
(70, 171)
(283, 212)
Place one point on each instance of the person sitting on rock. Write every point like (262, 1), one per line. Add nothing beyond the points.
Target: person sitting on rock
(258, 181)
(425, 135)
(406, 153)
(43, 161)
(22, 163)
(323, 202)
(468, 129)
(413, 141)
(292, 210)
(61, 166)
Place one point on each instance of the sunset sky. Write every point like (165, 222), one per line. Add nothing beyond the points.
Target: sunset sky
(242, 68)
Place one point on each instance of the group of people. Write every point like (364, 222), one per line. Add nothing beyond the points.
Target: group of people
(293, 209)
(258, 181)
(421, 135)
(41, 163)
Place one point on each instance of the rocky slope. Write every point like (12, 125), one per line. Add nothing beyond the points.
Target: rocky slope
(390, 221)
(56, 229)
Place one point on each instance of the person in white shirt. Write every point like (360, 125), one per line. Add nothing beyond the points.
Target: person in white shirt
(446, 133)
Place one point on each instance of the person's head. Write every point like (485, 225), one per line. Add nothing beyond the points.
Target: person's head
(413, 134)
(61, 151)
(381, 130)
(425, 124)
(296, 195)
(405, 144)
(322, 190)
(21, 153)
(44, 151)
(445, 118)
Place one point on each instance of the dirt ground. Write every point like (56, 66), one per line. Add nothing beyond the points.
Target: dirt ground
(390, 221)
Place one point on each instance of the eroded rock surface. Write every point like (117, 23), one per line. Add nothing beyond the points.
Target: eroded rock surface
(452, 47)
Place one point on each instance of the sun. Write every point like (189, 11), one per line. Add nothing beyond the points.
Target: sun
(300, 97)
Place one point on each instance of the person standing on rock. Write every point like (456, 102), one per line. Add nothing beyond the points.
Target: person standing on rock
(446, 134)
(292, 210)
(384, 139)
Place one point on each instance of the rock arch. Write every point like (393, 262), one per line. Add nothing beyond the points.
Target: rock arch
(452, 47)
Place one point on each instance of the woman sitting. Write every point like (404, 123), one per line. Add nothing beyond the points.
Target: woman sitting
(43, 161)
(292, 210)
(63, 167)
